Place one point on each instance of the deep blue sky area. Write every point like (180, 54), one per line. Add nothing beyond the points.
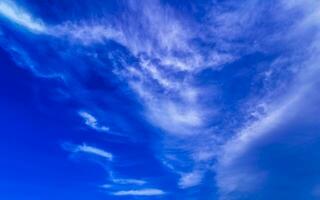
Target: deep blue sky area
(159, 99)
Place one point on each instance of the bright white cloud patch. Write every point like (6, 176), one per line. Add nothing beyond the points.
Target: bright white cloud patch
(92, 122)
(143, 192)
(92, 150)
(19, 16)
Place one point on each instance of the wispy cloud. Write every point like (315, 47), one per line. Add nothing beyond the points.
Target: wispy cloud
(190, 179)
(115, 182)
(230, 176)
(165, 80)
(86, 33)
(129, 181)
(92, 122)
(19, 16)
(84, 148)
(142, 192)
(277, 113)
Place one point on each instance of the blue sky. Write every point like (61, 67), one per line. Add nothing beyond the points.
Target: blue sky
(159, 99)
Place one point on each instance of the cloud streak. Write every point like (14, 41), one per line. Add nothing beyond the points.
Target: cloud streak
(19, 16)
(91, 150)
(277, 113)
(129, 181)
(142, 192)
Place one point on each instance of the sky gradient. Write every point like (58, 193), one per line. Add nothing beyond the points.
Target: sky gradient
(159, 99)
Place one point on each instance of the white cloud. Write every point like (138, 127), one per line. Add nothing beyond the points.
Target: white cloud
(241, 141)
(173, 117)
(230, 176)
(162, 32)
(277, 113)
(92, 122)
(163, 35)
(178, 108)
(129, 181)
(85, 33)
(89, 150)
(190, 179)
(19, 16)
(142, 192)
(236, 178)
(114, 182)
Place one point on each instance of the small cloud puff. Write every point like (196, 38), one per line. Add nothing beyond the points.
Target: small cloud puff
(92, 122)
